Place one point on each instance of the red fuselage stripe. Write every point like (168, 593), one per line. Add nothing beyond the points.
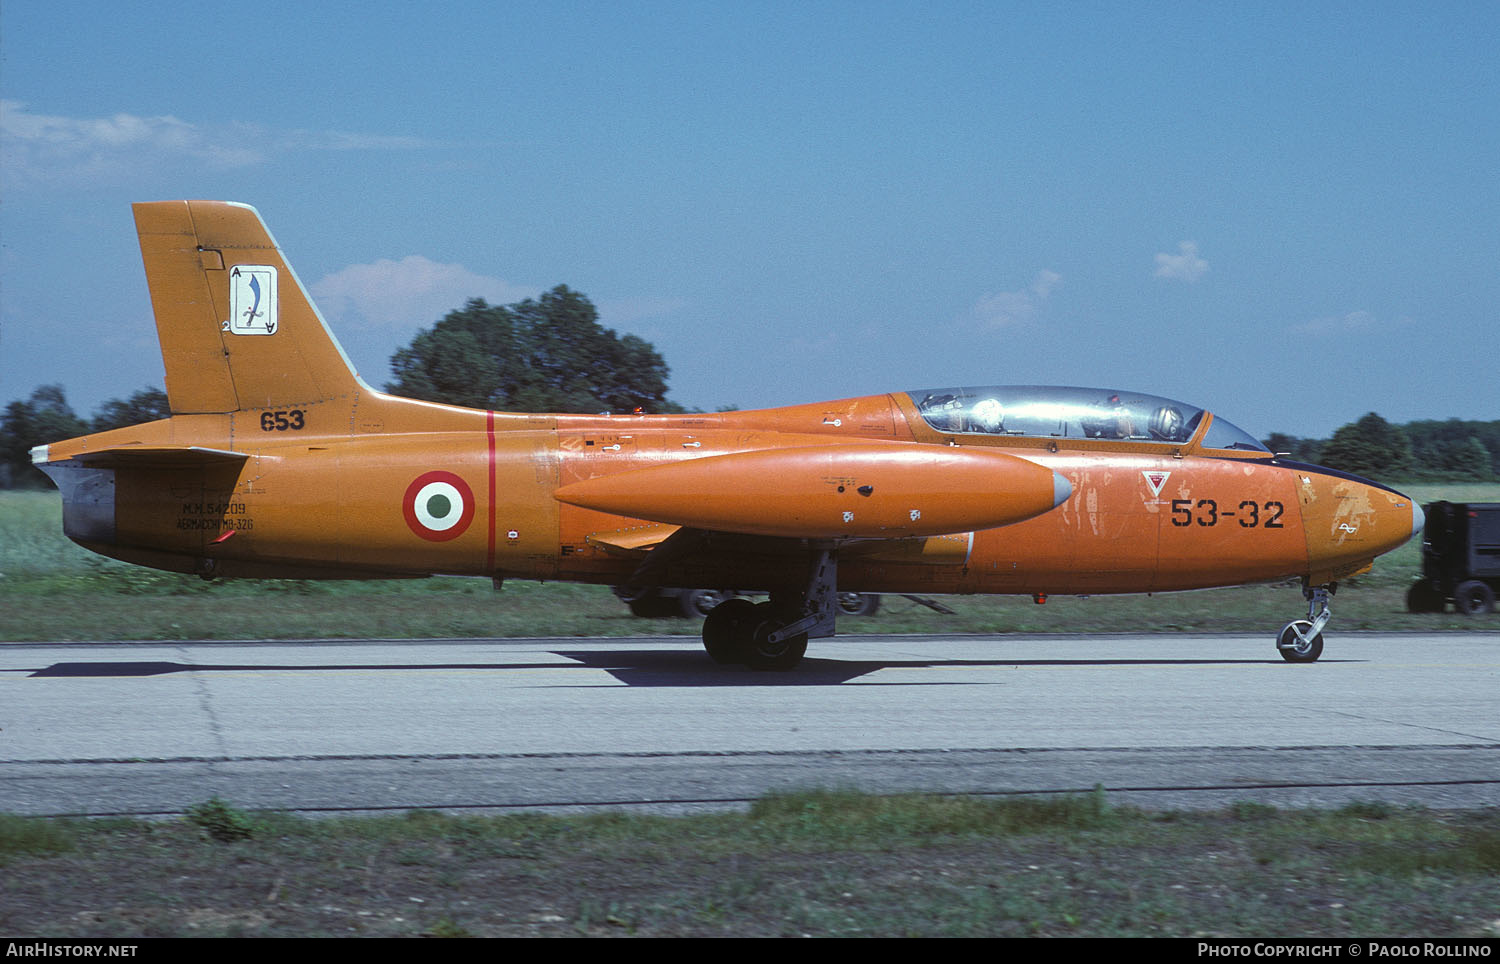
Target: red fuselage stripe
(489, 431)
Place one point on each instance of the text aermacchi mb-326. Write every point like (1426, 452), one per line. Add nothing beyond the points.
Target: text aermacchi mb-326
(278, 461)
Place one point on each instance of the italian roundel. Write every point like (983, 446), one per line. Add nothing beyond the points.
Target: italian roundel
(438, 506)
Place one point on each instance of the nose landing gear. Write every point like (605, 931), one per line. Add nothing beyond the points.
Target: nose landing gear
(1301, 640)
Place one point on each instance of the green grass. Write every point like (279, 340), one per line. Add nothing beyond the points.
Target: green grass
(822, 863)
(51, 589)
(32, 835)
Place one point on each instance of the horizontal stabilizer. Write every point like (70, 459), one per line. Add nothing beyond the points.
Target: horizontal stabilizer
(160, 457)
(862, 490)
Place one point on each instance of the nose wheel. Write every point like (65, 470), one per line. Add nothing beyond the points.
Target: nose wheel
(1301, 640)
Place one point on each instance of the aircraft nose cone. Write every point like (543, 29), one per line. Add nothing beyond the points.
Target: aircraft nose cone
(1062, 489)
(1418, 518)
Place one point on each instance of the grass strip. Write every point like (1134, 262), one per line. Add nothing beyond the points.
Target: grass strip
(816, 862)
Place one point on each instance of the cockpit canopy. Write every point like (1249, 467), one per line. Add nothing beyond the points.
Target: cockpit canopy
(1039, 411)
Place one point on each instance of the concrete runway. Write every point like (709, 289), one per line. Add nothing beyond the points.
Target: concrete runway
(651, 723)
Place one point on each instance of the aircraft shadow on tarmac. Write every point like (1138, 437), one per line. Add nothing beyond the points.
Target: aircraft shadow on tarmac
(643, 667)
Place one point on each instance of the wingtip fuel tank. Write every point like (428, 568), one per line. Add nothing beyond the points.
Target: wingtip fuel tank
(868, 490)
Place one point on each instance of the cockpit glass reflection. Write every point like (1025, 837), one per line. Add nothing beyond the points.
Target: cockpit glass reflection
(1034, 411)
(1224, 435)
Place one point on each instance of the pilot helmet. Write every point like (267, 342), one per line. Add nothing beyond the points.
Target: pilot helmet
(988, 414)
(1166, 423)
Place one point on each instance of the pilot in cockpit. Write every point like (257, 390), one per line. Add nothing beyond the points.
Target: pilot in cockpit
(943, 412)
(1166, 425)
(1112, 420)
(988, 415)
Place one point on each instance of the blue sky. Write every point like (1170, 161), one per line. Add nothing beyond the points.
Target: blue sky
(1286, 213)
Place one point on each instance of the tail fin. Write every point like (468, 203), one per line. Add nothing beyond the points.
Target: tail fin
(237, 330)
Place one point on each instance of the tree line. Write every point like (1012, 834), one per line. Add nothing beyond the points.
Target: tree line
(1426, 450)
(47, 417)
(547, 354)
(550, 354)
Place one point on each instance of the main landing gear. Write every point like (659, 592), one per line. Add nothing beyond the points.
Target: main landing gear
(1301, 640)
(773, 635)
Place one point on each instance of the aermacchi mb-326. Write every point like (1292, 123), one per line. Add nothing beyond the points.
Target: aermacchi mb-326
(278, 461)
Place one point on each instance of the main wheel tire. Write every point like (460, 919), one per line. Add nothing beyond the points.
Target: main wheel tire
(1295, 650)
(723, 630)
(859, 603)
(762, 654)
(1473, 598)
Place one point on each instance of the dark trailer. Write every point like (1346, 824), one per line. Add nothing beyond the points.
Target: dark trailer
(1460, 558)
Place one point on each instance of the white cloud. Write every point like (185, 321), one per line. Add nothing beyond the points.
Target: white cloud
(1350, 323)
(297, 140)
(1185, 265)
(40, 147)
(1004, 309)
(43, 147)
(413, 292)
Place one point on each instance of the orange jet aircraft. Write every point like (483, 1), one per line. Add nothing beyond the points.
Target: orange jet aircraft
(278, 461)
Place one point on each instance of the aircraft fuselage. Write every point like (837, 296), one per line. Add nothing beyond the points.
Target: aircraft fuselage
(1139, 517)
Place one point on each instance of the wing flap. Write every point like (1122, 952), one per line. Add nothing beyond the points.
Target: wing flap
(631, 541)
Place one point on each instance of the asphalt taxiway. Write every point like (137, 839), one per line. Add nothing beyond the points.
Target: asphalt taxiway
(651, 723)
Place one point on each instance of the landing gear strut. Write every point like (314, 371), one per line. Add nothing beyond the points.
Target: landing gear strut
(1301, 640)
(773, 635)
